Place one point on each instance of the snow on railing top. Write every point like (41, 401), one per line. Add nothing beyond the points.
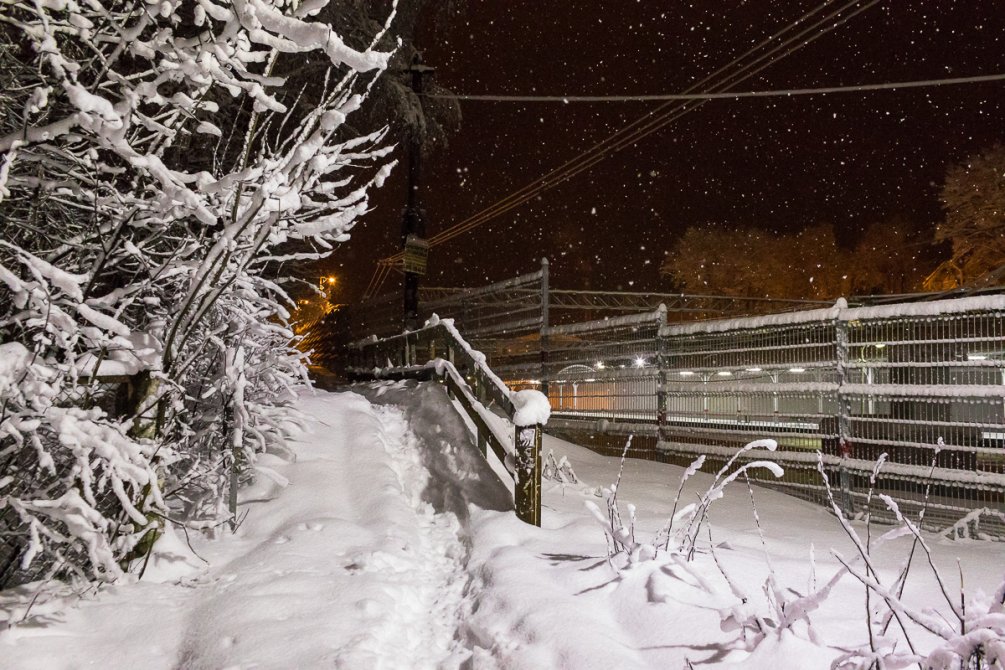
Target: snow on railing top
(983, 303)
(743, 323)
(476, 356)
(925, 390)
(976, 478)
(525, 408)
(658, 317)
(841, 312)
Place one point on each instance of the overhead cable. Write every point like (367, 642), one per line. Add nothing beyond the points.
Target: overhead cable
(657, 118)
(774, 93)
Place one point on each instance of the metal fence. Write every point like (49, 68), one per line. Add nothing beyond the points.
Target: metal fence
(921, 382)
(504, 320)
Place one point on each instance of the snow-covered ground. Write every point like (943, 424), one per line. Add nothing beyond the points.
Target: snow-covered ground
(394, 545)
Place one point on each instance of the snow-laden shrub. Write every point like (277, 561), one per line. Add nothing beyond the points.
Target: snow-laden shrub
(772, 620)
(682, 529)
(156, 176)
(969, 632)
(779, 620)
(76, 487)
(558, 469)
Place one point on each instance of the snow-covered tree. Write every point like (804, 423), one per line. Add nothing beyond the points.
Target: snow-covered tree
(973, 197)
(392, 101)
(155, 178)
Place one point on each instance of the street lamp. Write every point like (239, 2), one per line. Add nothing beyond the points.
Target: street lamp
(326, 283)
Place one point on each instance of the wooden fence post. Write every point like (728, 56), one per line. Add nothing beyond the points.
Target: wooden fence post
(528, 474)
(481, 396)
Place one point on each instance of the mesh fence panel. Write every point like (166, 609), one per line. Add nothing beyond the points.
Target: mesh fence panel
(922, 383)
(835, 388)
(606, 371)
(502, 320)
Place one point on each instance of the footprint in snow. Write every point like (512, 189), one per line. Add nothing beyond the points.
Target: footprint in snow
(369, 607)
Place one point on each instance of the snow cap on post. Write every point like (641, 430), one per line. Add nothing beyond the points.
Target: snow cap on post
(530, 408)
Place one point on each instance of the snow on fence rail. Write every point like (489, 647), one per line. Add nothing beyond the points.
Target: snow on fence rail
(438, 350)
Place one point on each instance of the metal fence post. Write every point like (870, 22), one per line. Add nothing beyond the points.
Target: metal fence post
(844, 414)
(528, 474)
(662, 349)
(545, 308)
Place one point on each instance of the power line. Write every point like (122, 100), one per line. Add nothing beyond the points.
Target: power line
(649, 123)
(644, 126)
(789, 92)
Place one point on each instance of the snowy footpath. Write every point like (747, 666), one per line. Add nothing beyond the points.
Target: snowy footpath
(386, 541)
(344, 566)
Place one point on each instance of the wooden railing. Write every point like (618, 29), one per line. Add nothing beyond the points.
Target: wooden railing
(438, 352)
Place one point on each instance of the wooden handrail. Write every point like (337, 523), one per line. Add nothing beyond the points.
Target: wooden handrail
(437, 351)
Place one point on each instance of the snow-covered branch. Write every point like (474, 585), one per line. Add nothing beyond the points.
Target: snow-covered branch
(136, 246)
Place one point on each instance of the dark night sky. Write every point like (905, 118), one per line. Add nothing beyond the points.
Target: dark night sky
(777, 163)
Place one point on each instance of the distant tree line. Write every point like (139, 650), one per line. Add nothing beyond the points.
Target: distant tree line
(809, 264)
(889, 257)
(973, 197)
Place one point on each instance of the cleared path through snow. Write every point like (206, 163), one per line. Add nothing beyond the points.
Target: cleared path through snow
(346, 566)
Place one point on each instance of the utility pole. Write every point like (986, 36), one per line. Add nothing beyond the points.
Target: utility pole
(414, 246)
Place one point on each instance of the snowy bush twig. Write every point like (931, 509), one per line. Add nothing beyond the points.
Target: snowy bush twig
(154, 173)
(558, 470)
(621, 537)
(718, 486)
